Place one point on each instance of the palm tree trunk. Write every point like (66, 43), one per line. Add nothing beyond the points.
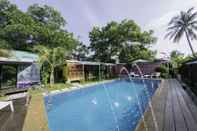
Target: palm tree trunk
(52, 76)
(190, 45)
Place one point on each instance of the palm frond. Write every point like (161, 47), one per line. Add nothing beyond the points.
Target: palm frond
(190, 10)
(192, 34)
(179, 34)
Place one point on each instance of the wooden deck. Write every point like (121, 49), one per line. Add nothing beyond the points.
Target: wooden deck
(13, 121)
(173, 108)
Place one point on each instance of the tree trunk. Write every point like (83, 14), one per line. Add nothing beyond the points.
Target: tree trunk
(190, 45)
(52, 76)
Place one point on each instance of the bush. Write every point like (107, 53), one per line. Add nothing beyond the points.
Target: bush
(163, 70)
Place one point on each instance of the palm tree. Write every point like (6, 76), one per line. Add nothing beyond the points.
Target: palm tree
(54, 57)
(184, 23)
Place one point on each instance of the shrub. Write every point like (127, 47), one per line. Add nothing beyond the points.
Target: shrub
(163, 70)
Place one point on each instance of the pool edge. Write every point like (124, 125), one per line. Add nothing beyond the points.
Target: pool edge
(140, 125)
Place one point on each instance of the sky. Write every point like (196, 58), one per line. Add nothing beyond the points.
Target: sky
(82, 15)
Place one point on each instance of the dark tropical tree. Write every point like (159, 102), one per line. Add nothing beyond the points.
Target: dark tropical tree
(114, 40)
(40, 25)
(80, 52)
(46, 15)
(184, 23)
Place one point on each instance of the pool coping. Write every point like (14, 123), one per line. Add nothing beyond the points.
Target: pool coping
(74, 88)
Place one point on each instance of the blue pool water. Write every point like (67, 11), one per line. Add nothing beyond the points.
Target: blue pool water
(109, 107)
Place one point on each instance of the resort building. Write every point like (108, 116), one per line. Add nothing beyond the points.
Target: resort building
(189, 72)
(86, 70)
(149, 67)
(19, 70)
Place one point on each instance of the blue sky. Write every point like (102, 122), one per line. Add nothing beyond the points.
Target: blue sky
(82, 15)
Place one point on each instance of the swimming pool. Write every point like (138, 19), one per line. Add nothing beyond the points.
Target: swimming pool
(113, 106)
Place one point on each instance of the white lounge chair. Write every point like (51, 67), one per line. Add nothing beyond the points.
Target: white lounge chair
(17, 96)
(4, 104)
(156, 75)
(147, 76)
(132, 74)
(20, 95)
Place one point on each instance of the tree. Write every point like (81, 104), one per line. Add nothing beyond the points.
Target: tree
(16, 26)
(176, 58)
(184, 23)
(134, 52)
(80, 52)
(111, 40)
(47, 16)
(51, 57)
(22, 31)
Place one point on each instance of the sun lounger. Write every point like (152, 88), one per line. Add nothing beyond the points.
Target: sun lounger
(20, 95)
(147, 76)
(17, 96)
(156, 75)
(132, 74)
(4, 104)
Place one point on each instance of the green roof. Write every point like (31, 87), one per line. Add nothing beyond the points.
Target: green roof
(20, 56)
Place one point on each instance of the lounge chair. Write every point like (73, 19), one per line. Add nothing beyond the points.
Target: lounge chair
(4, 104)
(20, 95)
(132, 74)
(147, 76)
(156, 75)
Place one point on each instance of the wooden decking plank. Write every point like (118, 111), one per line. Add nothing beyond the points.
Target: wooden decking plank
(190, 104)
(169, 116)
(161, 106)
(174, 109)
(158, 108)
(191, 124)
(179, 121)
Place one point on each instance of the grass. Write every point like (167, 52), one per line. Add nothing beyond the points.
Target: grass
(2, 98)
(95, 81)
(57, 86)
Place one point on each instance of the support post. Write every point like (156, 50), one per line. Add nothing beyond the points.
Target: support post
(83, 73)
(16, 75)
(0, 75)
(99, 72)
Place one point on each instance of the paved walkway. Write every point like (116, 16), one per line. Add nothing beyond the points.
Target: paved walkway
(173, 108)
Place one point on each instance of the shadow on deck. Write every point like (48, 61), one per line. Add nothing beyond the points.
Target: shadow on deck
(173, 108)
(13, 121)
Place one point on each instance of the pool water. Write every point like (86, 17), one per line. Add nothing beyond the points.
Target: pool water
(112, 106)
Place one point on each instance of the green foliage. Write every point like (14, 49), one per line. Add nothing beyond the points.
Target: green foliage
(176, 58)
(80, 52)
(51, 57)
(47, 16)
(40, 25)
(65, 72)
(184, 23)
(135, 52)
(163, 70)
(113, 39)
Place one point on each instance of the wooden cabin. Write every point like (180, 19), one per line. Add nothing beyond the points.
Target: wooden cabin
(86, 70)
(19, 70)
